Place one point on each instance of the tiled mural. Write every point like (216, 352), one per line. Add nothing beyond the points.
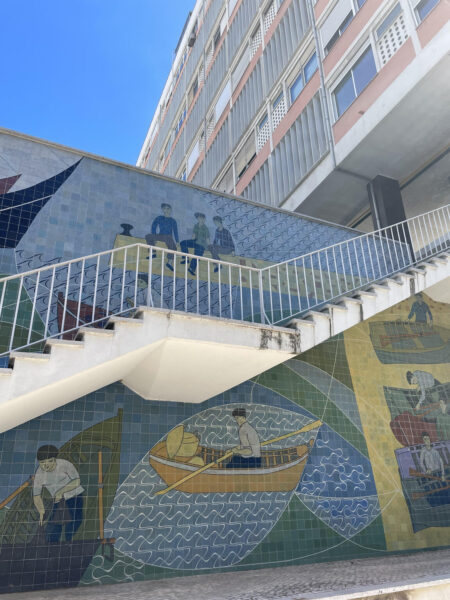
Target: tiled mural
(342, 452)
(339, 453)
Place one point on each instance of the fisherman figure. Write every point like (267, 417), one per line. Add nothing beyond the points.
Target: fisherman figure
(164, 229)
(425, 382)
(248, 454)
(431, 462)
(62, 481)
(198, 243)
(223, 242)
(421, 310)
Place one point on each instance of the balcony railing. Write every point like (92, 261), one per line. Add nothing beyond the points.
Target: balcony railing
(56, 300)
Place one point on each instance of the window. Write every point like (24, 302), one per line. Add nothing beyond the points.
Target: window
(342, 27)
(388, 20)
(302, 79)
(193, 90)
(180, 121)
(310, 67)
(245, 156)
(362, 72)
(424, 8)
(226, 183)
(216, 38)
(263, 122)
(255, 41)
(296, 87)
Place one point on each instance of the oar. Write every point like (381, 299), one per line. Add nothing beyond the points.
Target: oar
(304, 429)
(16, 492)
(413, 473)
(417, 495)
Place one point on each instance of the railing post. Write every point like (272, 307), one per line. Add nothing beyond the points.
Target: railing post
(261, 296)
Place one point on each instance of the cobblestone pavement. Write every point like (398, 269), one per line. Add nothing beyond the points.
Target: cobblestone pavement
(327, 580)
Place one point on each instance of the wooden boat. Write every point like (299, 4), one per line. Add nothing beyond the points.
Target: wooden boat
(14, 219)
(280, 471)
(406, 342)
(84, 315)
(27, 561)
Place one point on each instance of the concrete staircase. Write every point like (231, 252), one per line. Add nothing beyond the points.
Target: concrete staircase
(182, 357)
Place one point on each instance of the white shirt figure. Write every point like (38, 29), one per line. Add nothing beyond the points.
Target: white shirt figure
(249, 439)
(425, 381)
(55, 480)
(430, 460)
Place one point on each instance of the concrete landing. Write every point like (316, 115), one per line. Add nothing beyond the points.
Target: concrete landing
(418, 576)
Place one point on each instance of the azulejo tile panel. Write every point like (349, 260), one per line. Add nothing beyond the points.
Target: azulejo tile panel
(341, 452)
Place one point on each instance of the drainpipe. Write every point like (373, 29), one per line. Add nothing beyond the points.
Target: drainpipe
(323, 93)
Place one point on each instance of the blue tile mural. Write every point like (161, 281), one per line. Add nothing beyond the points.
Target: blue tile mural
(318, 459)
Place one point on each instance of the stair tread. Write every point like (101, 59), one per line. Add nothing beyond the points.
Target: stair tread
(30, 355)
(67, 343)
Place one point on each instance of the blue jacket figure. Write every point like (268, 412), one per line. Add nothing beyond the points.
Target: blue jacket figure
(164, 229)
(421, 310)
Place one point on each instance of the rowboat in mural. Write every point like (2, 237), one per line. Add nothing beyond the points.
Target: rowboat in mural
(72, 314)
(27, 561)
(406, 342)
(15, 220)
(280, 470)
(427, 494)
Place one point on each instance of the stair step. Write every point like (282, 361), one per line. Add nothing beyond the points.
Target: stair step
(28, 356)
(331, 306)
(5, 371)
(127, 320)
(392, 280)
(366, 293)
(316, 313)
(295, 323)
(350, 299)
(64, 344)
(379, 286)
(94, 331)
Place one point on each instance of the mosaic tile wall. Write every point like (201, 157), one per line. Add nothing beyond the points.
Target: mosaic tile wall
(342, 452)
(354, 444)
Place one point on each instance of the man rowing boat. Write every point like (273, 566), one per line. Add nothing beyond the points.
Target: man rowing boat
(248, 454)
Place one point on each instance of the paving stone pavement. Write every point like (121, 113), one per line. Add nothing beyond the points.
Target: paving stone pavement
(302, 582)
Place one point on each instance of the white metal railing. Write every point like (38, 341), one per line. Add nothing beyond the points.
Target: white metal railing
(56, 300)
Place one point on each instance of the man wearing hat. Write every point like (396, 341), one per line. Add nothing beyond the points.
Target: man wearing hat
(198, 243)
(164, 229)
(223, 242)
(248, 454)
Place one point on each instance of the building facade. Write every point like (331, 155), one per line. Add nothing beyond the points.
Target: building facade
(300, 104)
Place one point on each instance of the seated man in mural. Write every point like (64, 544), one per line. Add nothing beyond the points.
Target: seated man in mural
(164, 229)
(430, 460)
(223, 242)
(198, 243)
(429, 388)
(420, 310)
(62, 481)
(248, 454)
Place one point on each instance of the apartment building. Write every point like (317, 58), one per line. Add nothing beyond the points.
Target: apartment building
(300, 104)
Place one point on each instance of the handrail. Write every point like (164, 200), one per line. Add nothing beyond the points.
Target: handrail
(57, 299)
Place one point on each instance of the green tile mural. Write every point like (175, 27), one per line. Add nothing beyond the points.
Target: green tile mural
(318, 459)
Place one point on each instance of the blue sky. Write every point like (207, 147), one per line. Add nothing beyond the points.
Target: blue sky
(87, 73)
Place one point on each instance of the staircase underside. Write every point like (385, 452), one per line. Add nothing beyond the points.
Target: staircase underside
(182, 357)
